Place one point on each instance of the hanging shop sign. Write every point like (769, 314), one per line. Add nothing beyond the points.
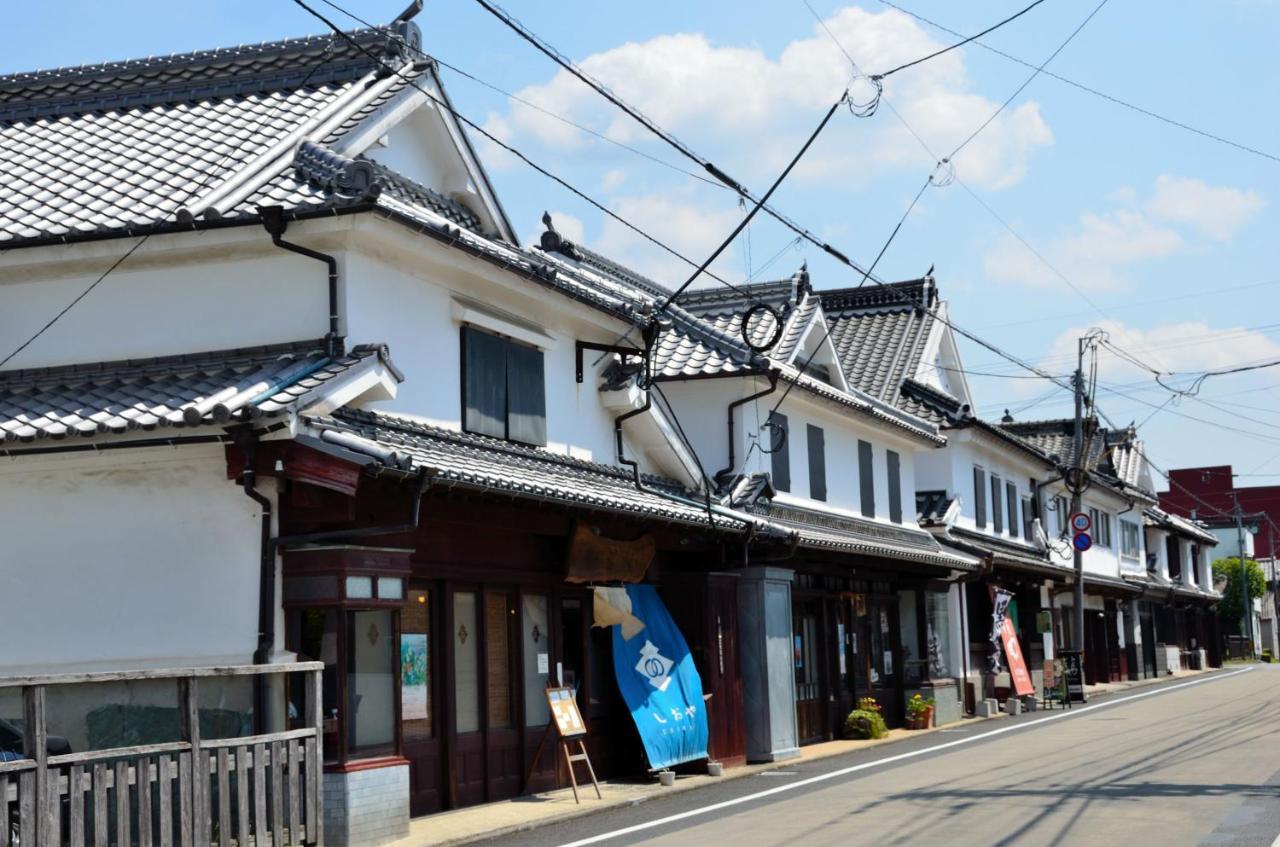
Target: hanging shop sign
(1022, 685)
(1000, 600)
(660, 683)
(594, 557)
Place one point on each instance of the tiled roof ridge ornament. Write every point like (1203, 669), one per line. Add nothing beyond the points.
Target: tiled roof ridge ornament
(553, 242)
(323, 168)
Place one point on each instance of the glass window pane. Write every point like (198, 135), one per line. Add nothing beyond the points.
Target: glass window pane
(359, 587)
(313, 635)
(466, 673)
(537, 658)
(390, 588)
(497, 648)
(913, 662)
(938, 612)
(416, 666)
(371, 685)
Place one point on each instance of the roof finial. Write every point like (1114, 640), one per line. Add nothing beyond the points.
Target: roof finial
(553, 242)
(1008, 418)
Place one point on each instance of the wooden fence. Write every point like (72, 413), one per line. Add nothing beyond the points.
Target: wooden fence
(251, 791)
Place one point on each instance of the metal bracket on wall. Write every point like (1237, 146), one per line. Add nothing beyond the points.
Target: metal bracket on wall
(603, 348)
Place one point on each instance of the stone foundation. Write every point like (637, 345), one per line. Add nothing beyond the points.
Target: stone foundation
(365, 808)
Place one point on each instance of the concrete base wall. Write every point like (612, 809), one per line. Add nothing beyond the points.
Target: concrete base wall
(366, 808)
(768, 677)
(946, 704)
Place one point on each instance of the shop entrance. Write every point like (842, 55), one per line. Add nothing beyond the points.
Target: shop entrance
(806, 623)
(881, 677)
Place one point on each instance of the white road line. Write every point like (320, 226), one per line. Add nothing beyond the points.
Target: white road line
(813, 780)
(1276, 843)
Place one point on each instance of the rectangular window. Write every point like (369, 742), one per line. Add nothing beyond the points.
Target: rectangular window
(780, 451)
(1129, 539)
(503, 388)
(1060, 508)
(466, 662)
(371, 685)
(416, 666)
(1028, 516)
(980, 497)
(866, 480)
(895, 486)
(537, 658)
(997, 508)
(1101, 527)
(1105, 531)
(1011, 497)
(817, 462)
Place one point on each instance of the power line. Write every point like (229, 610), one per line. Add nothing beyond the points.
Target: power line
(670, 139)
(446, 105)
(795, 160)
(1029, 79)
(1110, 98)
(324, 59)
(958, 44)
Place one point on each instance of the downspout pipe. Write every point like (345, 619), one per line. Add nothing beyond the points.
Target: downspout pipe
(273, 221)
(733, 407)
(266, 576)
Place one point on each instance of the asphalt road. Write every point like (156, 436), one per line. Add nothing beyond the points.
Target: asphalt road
(1187, 763)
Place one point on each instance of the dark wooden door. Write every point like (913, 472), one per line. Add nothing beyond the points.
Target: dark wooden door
(501, 726)
(467, 754)
(881, 657)
(1148, 640)
(420, 687)
(841, 663)
(807, 662)
(723, 678)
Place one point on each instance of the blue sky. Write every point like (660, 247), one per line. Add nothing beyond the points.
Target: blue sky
(1162, 233)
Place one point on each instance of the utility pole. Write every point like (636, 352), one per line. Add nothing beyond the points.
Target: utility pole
(1247, 627)
(1077, 486)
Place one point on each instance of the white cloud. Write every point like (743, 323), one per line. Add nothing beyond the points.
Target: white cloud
(613, 180)
(756, 108)
(676, 219)
(1097, 252)
(1217, 211)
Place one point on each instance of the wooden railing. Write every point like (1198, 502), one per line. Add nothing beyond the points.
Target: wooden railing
(249, 791)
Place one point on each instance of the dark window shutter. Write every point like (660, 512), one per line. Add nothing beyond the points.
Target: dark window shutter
(526, 395)
(895, 486)
(980, 497)
(1028, 517)
(780, 443)
(817, 462)
(484, 383)
(1011, 500)
(866, 479)
(997, 506)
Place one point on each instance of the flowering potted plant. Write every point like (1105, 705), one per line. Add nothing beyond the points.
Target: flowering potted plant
(866, 721)
(919, 712)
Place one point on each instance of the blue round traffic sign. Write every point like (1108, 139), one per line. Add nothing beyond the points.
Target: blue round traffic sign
(1081, 541)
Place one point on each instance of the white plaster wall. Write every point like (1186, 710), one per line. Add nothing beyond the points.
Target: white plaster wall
(962, 454)
(234, 290)
(136, 558)
(1105, 561)
(410, 307)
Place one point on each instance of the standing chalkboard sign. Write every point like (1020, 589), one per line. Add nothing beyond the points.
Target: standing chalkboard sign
(1073, 671)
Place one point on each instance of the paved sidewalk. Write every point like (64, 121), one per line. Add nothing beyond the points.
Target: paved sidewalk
(534, 810)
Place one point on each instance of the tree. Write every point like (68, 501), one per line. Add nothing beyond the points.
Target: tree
(1231, 608)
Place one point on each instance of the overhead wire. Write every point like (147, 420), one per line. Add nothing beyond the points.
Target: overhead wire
(563, 183)
(958, 44)
(652, 126)
(1109, 97)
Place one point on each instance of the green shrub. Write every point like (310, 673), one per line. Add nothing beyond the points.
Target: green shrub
(863, 723)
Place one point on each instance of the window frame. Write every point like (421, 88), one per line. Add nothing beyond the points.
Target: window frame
(815, 440)
(1124, 541)
(997, 505)
(979, 497)
(1011, 498)
(866, 479)
(893, 466)
(508, 345)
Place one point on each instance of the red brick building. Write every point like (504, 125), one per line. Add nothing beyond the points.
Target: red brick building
(1206, 493)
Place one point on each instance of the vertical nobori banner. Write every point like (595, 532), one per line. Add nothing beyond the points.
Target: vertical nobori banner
(1000, 600)
(660, 684)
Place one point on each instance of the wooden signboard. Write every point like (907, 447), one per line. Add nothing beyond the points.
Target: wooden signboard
(567, 722)
(564, 710)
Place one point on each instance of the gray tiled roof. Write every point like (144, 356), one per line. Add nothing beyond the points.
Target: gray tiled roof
(120, 148)
(484, 464)
(172, 391)
(880, 332)
(1114, 456)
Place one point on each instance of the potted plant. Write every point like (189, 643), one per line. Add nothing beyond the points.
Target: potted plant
(919, 712)
(866, 720)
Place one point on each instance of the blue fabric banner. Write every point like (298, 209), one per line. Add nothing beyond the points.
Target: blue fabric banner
(660, 684)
